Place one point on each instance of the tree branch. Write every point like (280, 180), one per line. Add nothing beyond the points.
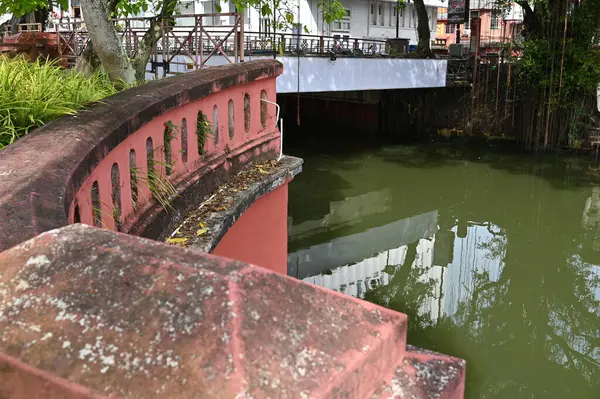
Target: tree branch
(560, 341)
(531, 19)
(154, 33)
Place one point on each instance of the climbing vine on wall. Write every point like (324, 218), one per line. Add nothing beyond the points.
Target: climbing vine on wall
(203, 130)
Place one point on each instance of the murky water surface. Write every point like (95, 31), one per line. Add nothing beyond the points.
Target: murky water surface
(494, 257)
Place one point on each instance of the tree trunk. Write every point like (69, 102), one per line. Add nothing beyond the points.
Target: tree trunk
(14, 23)
(150, 38)
(423, 45)
(88, 62)
(106, 42)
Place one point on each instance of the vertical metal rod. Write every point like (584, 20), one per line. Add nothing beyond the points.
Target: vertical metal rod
(201, 42)
(242, 41)
(274, 29)
(196, 40)
(235, 39)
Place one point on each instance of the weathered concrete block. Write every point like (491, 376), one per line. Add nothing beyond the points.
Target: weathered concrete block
(88, 311)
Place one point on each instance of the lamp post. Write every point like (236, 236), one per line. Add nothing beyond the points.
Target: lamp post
(399, 4)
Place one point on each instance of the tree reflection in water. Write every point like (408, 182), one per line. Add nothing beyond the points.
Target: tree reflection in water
(510, 279)
(531, 331)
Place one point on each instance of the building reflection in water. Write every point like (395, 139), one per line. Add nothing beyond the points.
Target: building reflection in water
(496, 264)
(450, 265)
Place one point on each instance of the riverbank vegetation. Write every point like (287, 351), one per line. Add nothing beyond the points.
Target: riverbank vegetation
(34, 93)
(545, 96)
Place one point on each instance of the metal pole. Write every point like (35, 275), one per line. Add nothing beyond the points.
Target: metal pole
(397, 19)
(457, 33)
(274, 29)
(242, 41)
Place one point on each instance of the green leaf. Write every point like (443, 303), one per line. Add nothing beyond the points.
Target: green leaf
(265, 10)
(64, 4)
(201, 231)
(176, 240)
(218, 7)
(289, 17)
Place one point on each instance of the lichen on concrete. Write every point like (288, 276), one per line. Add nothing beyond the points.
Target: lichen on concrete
(136, 318)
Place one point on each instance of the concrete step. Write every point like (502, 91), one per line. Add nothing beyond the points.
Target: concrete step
(86, 311)
(424, 374)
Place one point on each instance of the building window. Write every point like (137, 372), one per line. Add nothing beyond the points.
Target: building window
(184, 8)
(494, 22)
(450, 28)
(431, 20)
(208, 7)
(377, 14)
(401, 17)
(264, 25)
(75, 4)
(393, 14)
(473, 14)
(344, 23)
(373, 15)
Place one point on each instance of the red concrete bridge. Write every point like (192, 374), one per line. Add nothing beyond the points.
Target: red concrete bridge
(90, 309)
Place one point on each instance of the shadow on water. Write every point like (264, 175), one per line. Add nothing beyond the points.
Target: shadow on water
(509, 279)
(562, 171)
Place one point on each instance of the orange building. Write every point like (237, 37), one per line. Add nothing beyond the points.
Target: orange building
(445, 33)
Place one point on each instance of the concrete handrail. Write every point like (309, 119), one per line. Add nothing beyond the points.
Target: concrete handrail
(71, 170)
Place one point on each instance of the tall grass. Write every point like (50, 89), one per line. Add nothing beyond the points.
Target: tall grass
(34, 93)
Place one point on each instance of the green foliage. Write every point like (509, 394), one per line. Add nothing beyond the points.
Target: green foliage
(282, 11)
(332, 10)
(560, 69)
(160, 187)
(171, 130)
(203, 130)
(135, 7)
(34, 93)
(129, 8)
(21, 7)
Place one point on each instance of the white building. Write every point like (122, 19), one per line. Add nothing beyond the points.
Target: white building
(377, 20)
(366, 19)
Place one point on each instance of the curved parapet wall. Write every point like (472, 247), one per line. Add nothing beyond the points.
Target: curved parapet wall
(115, 164)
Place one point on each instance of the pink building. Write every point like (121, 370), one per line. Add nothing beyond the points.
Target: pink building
(496, 27)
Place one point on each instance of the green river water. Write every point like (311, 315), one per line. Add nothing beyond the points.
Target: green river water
(494, 256)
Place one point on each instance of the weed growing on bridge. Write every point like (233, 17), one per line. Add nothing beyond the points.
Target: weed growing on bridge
(203, 130)
(160, 187)
(171, 130)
